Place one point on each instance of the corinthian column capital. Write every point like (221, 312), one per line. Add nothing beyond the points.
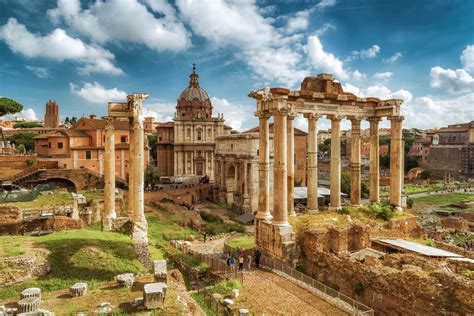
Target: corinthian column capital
(335, 117)
(312, 116)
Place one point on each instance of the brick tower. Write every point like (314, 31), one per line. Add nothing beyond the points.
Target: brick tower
(51, 117)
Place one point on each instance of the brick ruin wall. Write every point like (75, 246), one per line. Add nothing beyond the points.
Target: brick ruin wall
(394, 285)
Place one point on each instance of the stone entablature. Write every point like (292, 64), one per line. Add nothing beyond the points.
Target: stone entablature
(319, 96)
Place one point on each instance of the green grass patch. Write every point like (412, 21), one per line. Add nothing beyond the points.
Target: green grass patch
(226, 286)
(245, 242)
(11, 246)
(90, 195)
(57, 198)
(444, 199)
(164, 223)
(86, 255)
(199, 298)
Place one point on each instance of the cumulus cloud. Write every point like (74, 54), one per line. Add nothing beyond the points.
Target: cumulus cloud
(58, 46)
(368, 53)
(383, 75)
(299, 22)
(379, 91)
(392, 59)
(428, 111)
(39, 72)
(159, 110)
(94, 92)
(455, 81)
(323, 29)
(125, 20)
(28, 114)
(326, 3)
(467, 58)
(239, 117)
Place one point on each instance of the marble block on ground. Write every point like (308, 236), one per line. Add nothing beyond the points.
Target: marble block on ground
(125, 279)
(160, 270)
(154, 295)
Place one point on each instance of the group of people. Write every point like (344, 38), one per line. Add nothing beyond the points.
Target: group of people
(239, 258)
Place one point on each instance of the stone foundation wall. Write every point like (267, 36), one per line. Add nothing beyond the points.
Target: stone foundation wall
(11, 219)
(184, 195)
(455, 224)
(21, 268)
(396, 285)
(277, 242)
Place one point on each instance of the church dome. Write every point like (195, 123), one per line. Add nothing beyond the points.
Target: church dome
(194, 91)
(194, 102)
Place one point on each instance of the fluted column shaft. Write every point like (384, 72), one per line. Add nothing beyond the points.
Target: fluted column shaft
(335, 199)
(109, 171)
(355, 162)
(396, 161)
(312, 181)
(280, 184)
(131, 167)
(291, 165)
(374, 171)
(263, 169)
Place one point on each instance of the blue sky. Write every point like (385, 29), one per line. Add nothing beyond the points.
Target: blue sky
(85, 53)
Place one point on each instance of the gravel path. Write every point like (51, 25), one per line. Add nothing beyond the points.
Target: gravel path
(270, 294)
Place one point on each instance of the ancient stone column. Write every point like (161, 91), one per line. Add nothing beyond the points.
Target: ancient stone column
(291, 165)
(335, 199)
(280, 185)
(374, 169)
(138, 171)
(131, 166)
(312, 180)
(245, 194)
(263, 169)
(109, 176)
(355, 161)
(396, 161)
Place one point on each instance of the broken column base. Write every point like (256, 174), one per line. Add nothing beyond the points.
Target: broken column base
(140, 241)
(278, 242)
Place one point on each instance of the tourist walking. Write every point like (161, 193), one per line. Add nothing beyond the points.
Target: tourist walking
(241, 263)
(204, 237)
(249, 262)
(256, 257)
(232, 264)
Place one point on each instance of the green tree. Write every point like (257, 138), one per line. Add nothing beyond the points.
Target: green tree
(66, 120)
(24, 138)
(21, 148)
(152, 145)
(9, 106)
(325, 146)
(73, 120)
(152, 176)
(28, 125)
(385, 161)
(346, 182)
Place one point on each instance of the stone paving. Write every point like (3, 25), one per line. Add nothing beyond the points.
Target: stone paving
(269, 293)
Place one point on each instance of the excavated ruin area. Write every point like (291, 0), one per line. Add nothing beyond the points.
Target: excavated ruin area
(392, 284)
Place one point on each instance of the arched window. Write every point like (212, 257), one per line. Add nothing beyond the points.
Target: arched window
(199, 135)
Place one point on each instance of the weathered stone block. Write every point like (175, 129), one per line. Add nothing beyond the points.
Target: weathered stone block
(78, 289)
(31, 292)
(28, 304)
(160, 270)
(125, 279)
(154, 295)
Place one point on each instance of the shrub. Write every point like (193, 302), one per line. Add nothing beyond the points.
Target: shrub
(30, 162)
(226, 286)
(211, 217)
(381, 211)
(343, 211)
(410, 203)
(27, 125)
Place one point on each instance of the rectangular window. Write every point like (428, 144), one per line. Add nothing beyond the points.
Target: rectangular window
(123, 139)
(88, 155)
(60, 145)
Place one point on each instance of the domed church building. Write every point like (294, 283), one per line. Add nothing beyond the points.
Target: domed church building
(186, 145)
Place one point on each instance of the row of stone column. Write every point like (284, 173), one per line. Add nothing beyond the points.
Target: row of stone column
(283, 185)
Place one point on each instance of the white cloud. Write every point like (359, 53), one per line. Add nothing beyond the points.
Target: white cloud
(455, 81)
(383, 75)
(28, 114)
(327, 62)
(323, 29)
(94, 92)
(299, 22)
(160, 111)
(467, 58)
(125, 20)
(428, 112)
(393, 58)
(368, 53)
(39, 72)
(379, 91)
(240, 25)
(326, 3)
(58, 46)
(352, 89)
(239, 117)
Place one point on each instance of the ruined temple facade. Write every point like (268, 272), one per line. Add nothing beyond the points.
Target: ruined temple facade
(186, 146)
(318, 96)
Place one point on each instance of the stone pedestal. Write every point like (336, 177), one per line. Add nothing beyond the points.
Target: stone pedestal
(78, 289)
(31, 292)
(160, 270)
(28, 304)
(154, 295)
(125, 279)
(277, 241)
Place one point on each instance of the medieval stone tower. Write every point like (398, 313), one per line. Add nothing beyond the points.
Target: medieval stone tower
(51, 117)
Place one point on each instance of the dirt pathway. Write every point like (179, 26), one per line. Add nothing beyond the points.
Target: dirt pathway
(209, 247)
(270, 294)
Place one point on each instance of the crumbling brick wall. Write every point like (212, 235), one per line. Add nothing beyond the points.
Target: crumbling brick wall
(10, 220)
(455, 224)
